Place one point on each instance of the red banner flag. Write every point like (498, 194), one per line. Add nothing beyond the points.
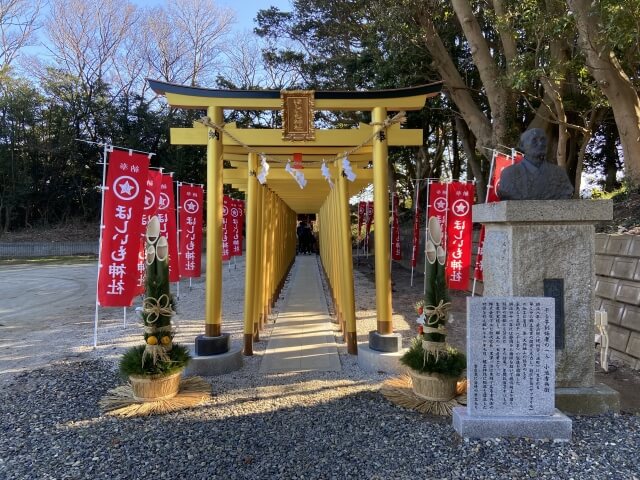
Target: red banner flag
(122, 229)
(167, 217)
(362, 211)
(151, 200)
(190, 219)
(369, 217)
(517, 156)
(416, 230)
(396, 247)
(478, 271)
(236, 228)
(226, 226)
(438, 205)
(241, 206)
(459, 235)
(501, 161)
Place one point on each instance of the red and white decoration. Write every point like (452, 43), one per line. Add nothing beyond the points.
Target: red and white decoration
(459, 234)
(190, 233)
(167, 217)
(478, 271)
(368, 217)
(416, 231)
(122, 228)
(237, 217)
(151, 198)
(226, 222)
(500, 162)
(362, 211)
(438, 205)
(396, 247)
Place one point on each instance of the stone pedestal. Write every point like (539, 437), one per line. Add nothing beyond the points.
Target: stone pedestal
(556, 427)
(533, 243)
(211, 365)
(385, 343)
(206, 346)
(382, 353)
(375, 361)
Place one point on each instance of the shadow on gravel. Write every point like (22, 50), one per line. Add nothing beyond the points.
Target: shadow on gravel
(51, 429)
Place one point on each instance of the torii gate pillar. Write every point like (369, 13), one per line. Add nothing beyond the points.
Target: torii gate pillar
(381, 216)
(213, 298)
(385, 347)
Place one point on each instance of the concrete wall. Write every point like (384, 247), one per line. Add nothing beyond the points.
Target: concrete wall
(47, 249)
(618, 292)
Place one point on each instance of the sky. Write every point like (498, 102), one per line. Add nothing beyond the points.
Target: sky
(246, 10)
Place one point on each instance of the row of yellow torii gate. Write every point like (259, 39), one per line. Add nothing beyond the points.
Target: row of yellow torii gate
(272, 208)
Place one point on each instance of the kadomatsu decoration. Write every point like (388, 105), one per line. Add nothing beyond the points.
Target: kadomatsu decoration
(434, 366)
(154, 369)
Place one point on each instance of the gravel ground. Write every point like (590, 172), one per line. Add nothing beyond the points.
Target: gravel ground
(298, 425)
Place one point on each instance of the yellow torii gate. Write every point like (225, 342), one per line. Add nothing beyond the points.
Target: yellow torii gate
(272, 208)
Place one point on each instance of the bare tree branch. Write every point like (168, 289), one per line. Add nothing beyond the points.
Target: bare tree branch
(18, 23)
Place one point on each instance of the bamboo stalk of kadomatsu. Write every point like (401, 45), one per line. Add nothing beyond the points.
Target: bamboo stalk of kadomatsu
(436, 300)
(158, 303)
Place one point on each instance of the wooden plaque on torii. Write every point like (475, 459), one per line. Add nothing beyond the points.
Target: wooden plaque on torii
(297, 115)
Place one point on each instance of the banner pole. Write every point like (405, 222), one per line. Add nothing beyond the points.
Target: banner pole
(426, 237)
(178, 210)
(391, 233)
(491, 168)
(486, 199)
(358, 237)
(111, 147)
(413, 247)
(105, 149)
(445, 238)
(365, 239)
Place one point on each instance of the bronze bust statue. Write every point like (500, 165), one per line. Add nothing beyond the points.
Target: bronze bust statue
(534, 178)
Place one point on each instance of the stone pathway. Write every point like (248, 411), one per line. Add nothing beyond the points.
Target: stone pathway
(302, 339)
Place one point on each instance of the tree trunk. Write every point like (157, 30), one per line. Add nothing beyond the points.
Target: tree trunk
(469, 147)
(613, 81)
(501, 100)
(477, 121)
(456, 167)
(611, 160)
(7, 218)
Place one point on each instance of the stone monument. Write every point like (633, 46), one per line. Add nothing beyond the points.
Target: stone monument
(544, 245)
(536, 248)
(511, 371)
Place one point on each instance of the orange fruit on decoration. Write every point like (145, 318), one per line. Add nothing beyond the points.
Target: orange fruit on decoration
(166, 340)
(152, 340)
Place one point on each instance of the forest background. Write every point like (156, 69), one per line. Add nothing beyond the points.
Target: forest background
(570, 67)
